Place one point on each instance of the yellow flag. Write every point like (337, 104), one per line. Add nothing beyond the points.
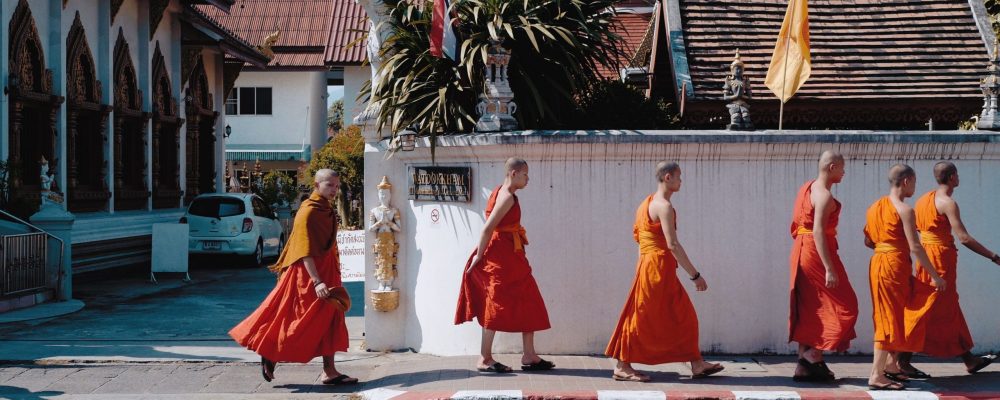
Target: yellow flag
(790, 63)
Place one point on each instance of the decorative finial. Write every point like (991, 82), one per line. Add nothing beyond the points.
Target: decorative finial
(737, 60)
(269, 41)
(385, 183)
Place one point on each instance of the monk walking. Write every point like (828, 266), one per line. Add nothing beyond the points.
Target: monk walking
(498, 289)
(937, 217)
(824, 307)
(900, 304)
(297, 322)
(658, 324)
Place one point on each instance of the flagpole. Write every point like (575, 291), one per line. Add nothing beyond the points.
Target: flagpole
(784, 70)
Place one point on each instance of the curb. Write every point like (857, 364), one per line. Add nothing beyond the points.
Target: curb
(390, 394)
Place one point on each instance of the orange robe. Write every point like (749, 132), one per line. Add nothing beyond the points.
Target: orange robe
(658, 324)
(947, 333)
(820, 317)
(900, 302)
(292, 324)
(502, 294)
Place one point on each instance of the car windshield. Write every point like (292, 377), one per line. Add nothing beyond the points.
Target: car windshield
(217, 207)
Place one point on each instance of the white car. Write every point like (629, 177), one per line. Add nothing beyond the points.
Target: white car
(233, 223)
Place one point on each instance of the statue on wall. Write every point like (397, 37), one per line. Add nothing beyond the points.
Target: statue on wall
(737, 91)
(45, 179)
(378, 32)
(384, 220)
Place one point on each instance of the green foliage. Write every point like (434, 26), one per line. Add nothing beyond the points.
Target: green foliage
(335, 116)
(344, 153)
(278, 188)
(557, 47)
(612, 104)
(993, 9)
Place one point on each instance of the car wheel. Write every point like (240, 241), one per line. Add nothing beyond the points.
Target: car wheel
(281, 246)
(258, 254)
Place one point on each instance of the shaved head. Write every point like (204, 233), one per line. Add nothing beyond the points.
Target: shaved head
(664, 168)
(829, 157)
(324, 175)
(515, 164)
(943, 171)
(899, 172)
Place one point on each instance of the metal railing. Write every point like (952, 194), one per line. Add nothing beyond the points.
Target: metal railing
(23, 258)
(22, 262)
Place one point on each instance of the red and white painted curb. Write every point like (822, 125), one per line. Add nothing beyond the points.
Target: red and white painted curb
(390, 394)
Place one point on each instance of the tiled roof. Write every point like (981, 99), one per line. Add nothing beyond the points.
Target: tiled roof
(349, 25)
(861, 49)
(304, 24)
(632, 28)
(239, 48)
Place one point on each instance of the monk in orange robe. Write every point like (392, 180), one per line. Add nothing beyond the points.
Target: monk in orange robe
(297, 322)
(900, 302)
(658, 323)
(498, 289)
(937, 217)
(824, 307)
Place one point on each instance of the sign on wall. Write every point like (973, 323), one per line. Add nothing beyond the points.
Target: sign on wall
(440, 183)
(352, 255)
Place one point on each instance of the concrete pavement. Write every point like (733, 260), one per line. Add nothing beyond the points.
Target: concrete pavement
(138, 340)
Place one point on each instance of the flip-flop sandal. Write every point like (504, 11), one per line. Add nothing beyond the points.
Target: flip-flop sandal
(826, 370)
(708, 372)
(341, 379)
(984, 362)
(267, 368)
(887, 386)
(917, 374)
(635, 377)
(540, 365)
(900, 376)
(496, 367)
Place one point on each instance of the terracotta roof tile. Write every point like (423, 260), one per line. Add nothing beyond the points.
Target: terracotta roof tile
(349, 24)
(860, 49)
(304, 24)
(632, 28)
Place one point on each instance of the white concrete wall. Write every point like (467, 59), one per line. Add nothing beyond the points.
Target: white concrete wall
(298, 110)
(354, 78)
(734, 211)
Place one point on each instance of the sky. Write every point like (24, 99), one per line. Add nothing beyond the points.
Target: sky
(334, 93)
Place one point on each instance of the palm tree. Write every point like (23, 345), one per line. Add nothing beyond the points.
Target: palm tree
(557, 47)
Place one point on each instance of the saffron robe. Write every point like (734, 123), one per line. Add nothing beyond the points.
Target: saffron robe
(947, 332)
(900, 302)
(292, 324)
(501, 293)
(658, 323)
(820, 317)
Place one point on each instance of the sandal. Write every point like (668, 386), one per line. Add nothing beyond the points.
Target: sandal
(540, 365)
(900, 376)
(917, 374)
(816, 372)
(341, 379)
(708, 371)
(267, 368)
(633, 377)
(984, 361)
(496, 367)
(887, 386)
(826, 370)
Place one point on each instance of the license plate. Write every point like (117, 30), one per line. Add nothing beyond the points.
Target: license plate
(211, 245)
